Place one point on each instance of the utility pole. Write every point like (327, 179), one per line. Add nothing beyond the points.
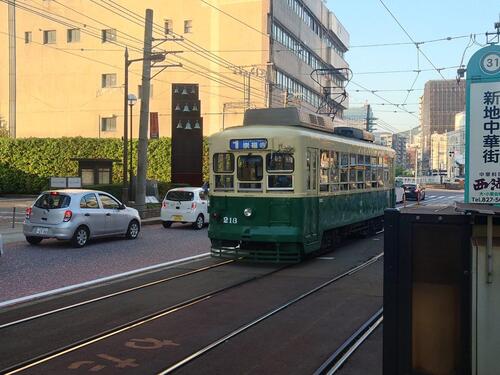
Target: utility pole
(125, 192)
(142, 148)
(368, 117)
(12, 68)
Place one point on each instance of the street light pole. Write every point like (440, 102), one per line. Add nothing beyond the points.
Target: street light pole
(131, 101)
(125, 193)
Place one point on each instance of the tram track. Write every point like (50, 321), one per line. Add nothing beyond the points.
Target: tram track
(87, 342)
(19, 367)
(267, 315)
(111, 295)
(349, 346)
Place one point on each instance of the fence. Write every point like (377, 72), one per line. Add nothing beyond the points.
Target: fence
(12, 217)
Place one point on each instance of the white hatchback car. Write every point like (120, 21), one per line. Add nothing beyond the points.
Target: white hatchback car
(185, 205)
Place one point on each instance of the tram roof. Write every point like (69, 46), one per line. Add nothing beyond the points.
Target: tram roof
(289, 116)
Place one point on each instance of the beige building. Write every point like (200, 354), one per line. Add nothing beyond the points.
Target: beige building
(63, 70)
(439, 154)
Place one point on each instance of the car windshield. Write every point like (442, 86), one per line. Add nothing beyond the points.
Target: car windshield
(179, 196)
(53, 200)
(409, 186)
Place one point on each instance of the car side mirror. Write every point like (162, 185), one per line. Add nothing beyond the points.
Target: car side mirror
(122, 207)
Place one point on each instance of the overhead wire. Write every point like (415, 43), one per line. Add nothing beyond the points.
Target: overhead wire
(409, 37)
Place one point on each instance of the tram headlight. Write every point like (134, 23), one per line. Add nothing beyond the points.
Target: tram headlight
(247, 212)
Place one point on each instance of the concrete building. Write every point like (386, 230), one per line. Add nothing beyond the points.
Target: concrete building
(441, 101)
(383, 138)
(67, 60)
(399, 144)
(439, 154)
(456, 148)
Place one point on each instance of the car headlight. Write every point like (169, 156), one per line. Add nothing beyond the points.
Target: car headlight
(247, 212)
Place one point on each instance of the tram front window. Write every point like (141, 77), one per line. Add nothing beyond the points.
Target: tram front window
(250, 168)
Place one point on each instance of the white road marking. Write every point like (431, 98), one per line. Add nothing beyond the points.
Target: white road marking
(97, 281)
(326, 258)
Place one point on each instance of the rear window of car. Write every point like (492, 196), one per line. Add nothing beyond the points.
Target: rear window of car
(52, 201)
(179, 196)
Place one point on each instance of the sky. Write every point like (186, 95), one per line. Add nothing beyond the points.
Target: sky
(368, 22)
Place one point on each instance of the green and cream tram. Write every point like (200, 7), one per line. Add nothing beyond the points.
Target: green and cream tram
(283, 185)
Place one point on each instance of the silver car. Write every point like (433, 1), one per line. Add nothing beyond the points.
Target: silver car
(78, 215)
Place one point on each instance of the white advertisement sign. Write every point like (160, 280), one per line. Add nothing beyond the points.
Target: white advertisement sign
(484, 147)
(58, 182)
(74, 182)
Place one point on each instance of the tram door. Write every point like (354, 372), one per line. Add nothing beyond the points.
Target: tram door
(311, 218)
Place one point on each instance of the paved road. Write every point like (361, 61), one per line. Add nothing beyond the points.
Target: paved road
(27, 269)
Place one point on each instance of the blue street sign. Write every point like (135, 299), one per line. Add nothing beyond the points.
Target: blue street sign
(482, 129)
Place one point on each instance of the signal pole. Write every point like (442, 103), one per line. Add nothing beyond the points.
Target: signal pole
(142, 148)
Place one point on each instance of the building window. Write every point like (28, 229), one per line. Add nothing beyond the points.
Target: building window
(139, 91)
(169, 27)
(27, 37)
(73, 35)
(188, 26)
(109, 35)
(104, 175)
(87, 177)
(108, 124)
(108, 80)
(49, 37)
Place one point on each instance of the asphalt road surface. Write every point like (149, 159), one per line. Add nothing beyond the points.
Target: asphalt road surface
(26, 269)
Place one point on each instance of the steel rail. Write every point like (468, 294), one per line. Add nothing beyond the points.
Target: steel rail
(92, 300)
(247, 326)
(127, 326)
(344, 352)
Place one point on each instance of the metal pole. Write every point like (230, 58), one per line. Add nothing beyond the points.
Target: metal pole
(125, 193)
(416, 164)
(142, 147)
(12, 68)
(13, 216)
(131, 171)
(489, 248)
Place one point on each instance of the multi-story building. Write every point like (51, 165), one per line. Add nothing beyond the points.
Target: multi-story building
(399, 143)
(441, 101)
(439, 154)
(62, 71)
(456, 147)
(383, 138)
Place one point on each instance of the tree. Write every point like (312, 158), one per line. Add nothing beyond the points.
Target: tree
(402, 172)
(4, 129)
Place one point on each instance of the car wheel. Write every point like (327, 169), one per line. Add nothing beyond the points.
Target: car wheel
(34, 240)
(133, 230)
(81, 237)
(166, 224)
(199, 223)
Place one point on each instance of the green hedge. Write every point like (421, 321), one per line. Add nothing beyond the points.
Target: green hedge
(27, 164)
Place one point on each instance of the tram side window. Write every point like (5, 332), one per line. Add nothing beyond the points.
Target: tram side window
(334, 171)
(282, 163)
(223, 167)
(250, 168)
(324, 170)
(344, 171)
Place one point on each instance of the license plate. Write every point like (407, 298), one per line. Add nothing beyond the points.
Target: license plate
(41, 230)
(177, 218)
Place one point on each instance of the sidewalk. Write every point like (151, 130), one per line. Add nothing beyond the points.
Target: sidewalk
(10, 235)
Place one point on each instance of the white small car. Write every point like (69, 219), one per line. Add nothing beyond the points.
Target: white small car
(185, 205)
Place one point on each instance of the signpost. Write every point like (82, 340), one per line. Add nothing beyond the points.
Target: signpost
(482, 165)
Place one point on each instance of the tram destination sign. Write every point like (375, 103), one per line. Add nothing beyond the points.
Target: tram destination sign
(248, 144)
(483, 127)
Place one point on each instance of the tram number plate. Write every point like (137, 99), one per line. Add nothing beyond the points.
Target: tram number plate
(230, 220)
(177, 218)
